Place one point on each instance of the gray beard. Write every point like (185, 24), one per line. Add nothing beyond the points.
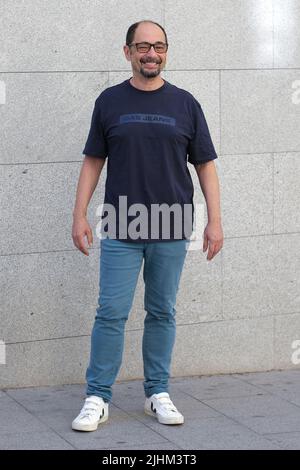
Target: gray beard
(150, 73)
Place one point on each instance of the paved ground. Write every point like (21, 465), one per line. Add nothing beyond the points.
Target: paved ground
(240, 411)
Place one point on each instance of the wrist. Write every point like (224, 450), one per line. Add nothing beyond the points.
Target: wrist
(79, 214)
(214, 220)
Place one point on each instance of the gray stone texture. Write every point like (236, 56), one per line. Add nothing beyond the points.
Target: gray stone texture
(239, 312)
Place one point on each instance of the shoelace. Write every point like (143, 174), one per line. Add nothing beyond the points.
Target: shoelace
(167, 403)
(88, 409)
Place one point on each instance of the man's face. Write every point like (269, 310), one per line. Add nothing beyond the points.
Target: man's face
(148, 64)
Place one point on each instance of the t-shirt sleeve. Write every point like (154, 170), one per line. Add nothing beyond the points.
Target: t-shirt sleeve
(200, 147)
(96, 145)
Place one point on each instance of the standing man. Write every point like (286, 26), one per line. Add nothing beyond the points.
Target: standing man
(147, 129)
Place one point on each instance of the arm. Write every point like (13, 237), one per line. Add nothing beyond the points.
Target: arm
(88, 180)
(209, 183)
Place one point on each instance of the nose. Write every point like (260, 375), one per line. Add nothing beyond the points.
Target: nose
(152, 52)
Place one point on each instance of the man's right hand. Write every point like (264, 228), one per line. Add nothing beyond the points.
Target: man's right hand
(80, 230)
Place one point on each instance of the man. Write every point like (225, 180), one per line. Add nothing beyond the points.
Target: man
(146, 127)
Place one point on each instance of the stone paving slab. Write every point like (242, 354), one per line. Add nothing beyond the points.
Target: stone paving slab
(238, 411)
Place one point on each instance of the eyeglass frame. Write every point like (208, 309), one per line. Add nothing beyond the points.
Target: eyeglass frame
(151, 45)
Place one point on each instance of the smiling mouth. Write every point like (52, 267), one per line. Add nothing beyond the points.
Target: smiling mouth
(151, 64)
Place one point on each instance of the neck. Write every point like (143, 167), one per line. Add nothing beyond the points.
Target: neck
(147, 84)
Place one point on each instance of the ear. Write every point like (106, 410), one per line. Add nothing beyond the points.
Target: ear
(126, 50)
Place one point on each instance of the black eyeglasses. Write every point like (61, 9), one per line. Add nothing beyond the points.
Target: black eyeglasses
(159, 47)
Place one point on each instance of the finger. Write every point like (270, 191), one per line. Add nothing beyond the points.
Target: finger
(205, 242)
(89, 235)
(82, 247)
(214, 249)
(84, 250)
(211, 251)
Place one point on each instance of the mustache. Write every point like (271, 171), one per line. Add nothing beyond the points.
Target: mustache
(151, 61)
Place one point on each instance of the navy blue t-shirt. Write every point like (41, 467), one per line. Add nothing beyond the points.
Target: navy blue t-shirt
(148, 137)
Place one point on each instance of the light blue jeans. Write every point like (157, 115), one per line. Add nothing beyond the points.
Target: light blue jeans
(120, 264)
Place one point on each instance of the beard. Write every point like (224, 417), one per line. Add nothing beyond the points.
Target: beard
(150, 73)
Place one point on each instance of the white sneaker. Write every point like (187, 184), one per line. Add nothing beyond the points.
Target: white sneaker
(93, 412)
(161, 406)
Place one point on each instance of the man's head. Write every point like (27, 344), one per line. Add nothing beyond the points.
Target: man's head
(146, 63)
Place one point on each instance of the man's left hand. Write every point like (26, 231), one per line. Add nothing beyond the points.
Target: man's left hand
(213, 239)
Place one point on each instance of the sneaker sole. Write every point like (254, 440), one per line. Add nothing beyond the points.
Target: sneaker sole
(163, 420)
(89, 427)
